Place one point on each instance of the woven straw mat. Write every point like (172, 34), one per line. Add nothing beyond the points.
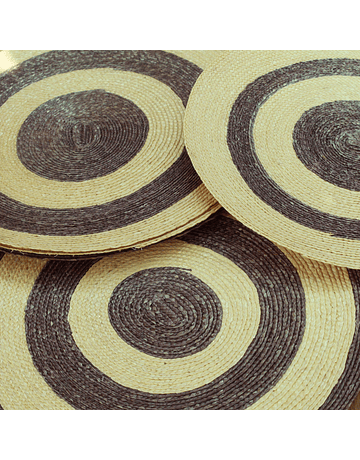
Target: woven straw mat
(218, 318)
(275, 136)
(92, 150)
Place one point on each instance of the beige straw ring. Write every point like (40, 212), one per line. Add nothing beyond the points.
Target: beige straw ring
(92, 150)
(218, 318)
(275, 136)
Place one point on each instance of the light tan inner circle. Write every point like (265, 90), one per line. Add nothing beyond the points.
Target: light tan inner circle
(21, 385)
(329, 331)
(164, 144)
(214, 94)
(273, 137)
(132, 368)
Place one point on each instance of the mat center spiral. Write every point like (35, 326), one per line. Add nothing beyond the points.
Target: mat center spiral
(81, 136)
(165, 312)
(351, 140)
(326, 140)
(84, 134)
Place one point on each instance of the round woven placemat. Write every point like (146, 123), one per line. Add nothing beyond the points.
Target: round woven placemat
(92, 150)
(218, 318)
(275, 136)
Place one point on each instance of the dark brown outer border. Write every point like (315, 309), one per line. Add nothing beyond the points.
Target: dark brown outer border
(282, 302)
(169, 188)
(242, 148)
(73, 258)
(176, 72)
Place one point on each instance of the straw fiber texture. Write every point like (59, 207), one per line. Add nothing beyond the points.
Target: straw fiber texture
(275, 136)
(218, 318)
(92, 150)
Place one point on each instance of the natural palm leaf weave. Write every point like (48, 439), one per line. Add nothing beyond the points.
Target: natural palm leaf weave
(218, 318)
(275, 136)
(92, 151)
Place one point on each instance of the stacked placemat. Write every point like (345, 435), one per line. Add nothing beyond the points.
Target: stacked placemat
(124, 286)
(93, 151)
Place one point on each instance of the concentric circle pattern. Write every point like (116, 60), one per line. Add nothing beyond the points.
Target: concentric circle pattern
(161, 329)
(92, 150)
(275, 137)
